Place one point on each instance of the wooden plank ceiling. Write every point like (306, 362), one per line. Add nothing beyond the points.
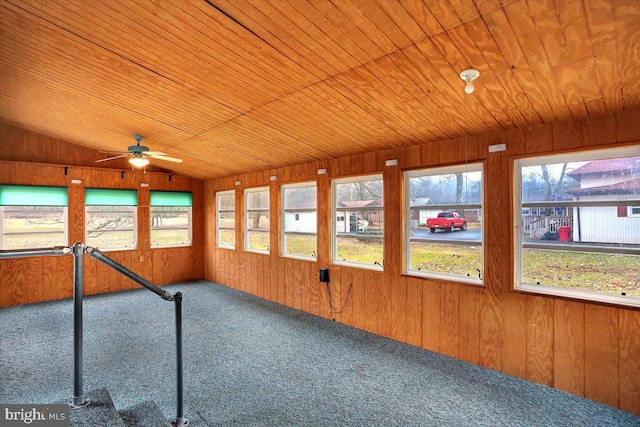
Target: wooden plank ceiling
(234, 86)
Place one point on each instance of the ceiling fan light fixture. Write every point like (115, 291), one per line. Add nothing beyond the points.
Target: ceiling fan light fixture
(139, 161)
(469, 76)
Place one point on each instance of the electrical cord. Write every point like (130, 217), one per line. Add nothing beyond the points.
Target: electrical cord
(333, 310)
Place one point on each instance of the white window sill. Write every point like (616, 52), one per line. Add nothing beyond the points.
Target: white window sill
(373, 267)
(300, 257)
(631, 301)
(231, 248)
(170, 246)
(447, 277)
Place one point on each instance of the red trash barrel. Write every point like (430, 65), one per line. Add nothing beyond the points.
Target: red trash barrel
(563, 233)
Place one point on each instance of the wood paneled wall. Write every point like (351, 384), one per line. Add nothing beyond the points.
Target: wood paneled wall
(36, 279)
(587, 349)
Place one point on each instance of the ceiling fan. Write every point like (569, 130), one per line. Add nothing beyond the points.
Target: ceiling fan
(138, 154)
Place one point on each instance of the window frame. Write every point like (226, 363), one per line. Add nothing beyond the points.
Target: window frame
(334, 209)
(283, 211)
(444, 170)
(518, 205)
(235, 219)
(247, 211)
(10, 201)
(190, 219)
(134, 224)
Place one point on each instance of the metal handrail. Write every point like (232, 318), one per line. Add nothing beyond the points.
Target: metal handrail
(78, 250)
(25, 253)
(100, 256)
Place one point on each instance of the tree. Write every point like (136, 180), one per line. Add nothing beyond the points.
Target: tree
(545, 183)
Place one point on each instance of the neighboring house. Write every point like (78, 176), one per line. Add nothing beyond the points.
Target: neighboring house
(369, 211)
(419, 213)
(612, 179)
(302, 218)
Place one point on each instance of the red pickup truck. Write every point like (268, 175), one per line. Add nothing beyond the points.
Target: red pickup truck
(448, 221)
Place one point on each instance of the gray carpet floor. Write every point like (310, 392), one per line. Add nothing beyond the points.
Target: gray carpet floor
(250, 362)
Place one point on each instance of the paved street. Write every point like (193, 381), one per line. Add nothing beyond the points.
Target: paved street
(425, 233)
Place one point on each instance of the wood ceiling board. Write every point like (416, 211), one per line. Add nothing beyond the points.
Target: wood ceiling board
(195, 79)
(466, 10)
(554, 40)
(600, 22)
(402, 20)
(301, 123)
(332, 136)
(51, 122)
(435, 50)
(320, 26)
(485, 7)
(87, 111)
(490, 91)
(175, 71)
(193, 167)
(345, 28)
(100, 75)
(207, 61)
(627, 30)
(422, 16)
(446, 98)
(544, 77)
(572, 16)
(366, 26)
(255, 53)
(500, 32)
(357, 85)
(245, 134)
(506, 91)
(302, 28)
(395, 87)
(383, 21)
(445, 13)
(232, 158)
(125, 40)
(364, 125)
(449, 118)
(248, 15)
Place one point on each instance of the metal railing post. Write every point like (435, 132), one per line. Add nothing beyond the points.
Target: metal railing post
(180, 421)
(78, 269)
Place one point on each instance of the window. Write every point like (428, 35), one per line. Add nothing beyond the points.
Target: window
(33, 217)
(226, 219)
(443, 231)
(582, 243)
(111, 218)
(358, 225)
(256, 219)
(299, 220)
(170, 218)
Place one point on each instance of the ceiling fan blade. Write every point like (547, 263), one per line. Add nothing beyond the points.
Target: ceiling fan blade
(154, 153)
(112, 158)
(114, 152)
(167, 158)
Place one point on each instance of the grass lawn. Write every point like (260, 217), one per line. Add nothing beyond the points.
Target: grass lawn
(449, 259)
(610, 273)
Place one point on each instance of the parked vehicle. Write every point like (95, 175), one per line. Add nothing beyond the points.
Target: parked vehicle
(447, 221)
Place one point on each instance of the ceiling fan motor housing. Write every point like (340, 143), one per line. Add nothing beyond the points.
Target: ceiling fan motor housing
(137, 149)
